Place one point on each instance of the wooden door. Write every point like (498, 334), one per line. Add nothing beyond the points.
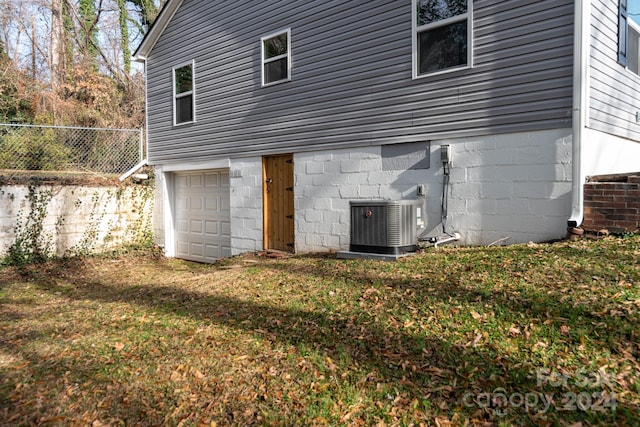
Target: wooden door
(278, 203)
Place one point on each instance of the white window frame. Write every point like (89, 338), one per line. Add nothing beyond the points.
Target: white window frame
(264, 61)
(192, 92)
(416, 30)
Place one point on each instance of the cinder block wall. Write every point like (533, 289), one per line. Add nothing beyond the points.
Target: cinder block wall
(326, 181)
(245, 180)
(75, 219)
(612, 205)
(513, 187)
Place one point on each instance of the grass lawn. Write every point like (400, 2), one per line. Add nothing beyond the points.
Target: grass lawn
(522, 335)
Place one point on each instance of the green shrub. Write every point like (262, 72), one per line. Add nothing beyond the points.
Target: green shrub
(32, 149)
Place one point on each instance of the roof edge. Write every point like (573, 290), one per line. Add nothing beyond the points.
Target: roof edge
(157, 28)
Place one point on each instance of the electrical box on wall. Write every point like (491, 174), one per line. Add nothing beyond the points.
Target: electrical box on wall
(445, 154)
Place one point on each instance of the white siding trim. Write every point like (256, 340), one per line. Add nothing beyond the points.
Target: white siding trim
(194, 166)
(609, 154)
(168, 214)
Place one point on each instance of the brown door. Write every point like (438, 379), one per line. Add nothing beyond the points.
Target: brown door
(278, 202)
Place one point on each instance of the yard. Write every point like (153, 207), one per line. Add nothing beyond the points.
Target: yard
(541, 334)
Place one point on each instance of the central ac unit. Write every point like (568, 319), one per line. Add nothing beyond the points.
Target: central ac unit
(384, 226)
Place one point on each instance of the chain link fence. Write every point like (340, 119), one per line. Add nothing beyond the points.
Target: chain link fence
(69, 149)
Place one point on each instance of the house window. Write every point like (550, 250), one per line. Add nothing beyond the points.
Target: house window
(629, 34)
(442, 35)
(183, 94)
(276, 57)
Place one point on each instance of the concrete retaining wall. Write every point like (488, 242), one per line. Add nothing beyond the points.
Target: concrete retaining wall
(75, 219)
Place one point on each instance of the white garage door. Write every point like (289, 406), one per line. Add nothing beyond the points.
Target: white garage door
(202, 215)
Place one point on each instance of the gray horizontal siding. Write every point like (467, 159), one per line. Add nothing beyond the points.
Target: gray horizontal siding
(614, 92)
(351, 77)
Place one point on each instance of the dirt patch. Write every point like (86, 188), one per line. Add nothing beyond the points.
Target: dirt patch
(75, 178)
(12, 177)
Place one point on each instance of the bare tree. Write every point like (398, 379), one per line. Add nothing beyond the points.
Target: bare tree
(69, 60)
(57, 49)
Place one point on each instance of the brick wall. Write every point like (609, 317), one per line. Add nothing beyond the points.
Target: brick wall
(612, 204)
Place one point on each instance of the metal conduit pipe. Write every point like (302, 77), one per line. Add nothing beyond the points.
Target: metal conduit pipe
(451, 238)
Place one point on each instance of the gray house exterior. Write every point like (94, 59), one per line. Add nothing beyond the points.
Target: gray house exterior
(266, 119)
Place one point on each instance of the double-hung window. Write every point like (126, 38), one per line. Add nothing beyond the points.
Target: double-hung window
(276, 57)
(442, 35)
(629, 34)
(183, 94)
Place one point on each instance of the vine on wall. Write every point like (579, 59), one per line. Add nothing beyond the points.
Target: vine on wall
(89, 239)
(32, 244)
(130, 227)
(132, 230)
(139, 233)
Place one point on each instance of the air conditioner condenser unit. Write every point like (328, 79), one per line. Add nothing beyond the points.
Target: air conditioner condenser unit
(384, 226)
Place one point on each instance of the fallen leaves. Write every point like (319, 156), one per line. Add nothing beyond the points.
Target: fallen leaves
(476, 315)
(326, 342)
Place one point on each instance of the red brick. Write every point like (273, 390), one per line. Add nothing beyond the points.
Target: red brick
(629, 225)
(595, 204)
(614, 217)
(608, 198)
(592, 191)
(627, 211)
(597, 216)
(620, 203)
(612, 186)
(634, 179)
(612, 205)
